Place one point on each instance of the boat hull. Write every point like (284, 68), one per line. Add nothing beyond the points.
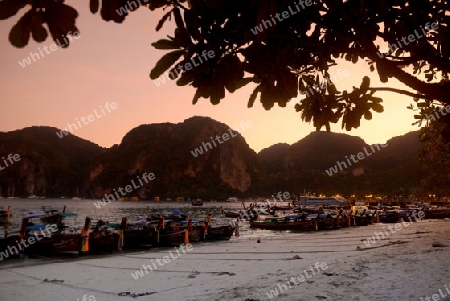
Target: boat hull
(104, 243)
(218, 233)
(169, 238)
(437, 214)
(135, 238)
(60, 244)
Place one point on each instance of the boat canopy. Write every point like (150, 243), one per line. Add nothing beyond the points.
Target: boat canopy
(36, 227)
(67, 214)
(33, 213)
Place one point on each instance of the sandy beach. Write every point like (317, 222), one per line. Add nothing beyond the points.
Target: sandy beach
(410, 264)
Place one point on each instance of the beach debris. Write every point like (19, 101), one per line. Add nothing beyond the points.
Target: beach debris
(331, 274)
(192, 276)
(294, 257)
(53, 280)
(398, 242)
(135, 295)
(226, 273)
(251, 299)
(438, 245)
(124, 294)
(258, 241)
(321, 297)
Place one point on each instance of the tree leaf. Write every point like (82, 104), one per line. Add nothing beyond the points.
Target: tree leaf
(365, 84)
(9, 8)
(165, 44)
(39, 33)
(93, 5)
(20, 33)
(377, 107)
(163, 19)
(165, 62)
(252, 98)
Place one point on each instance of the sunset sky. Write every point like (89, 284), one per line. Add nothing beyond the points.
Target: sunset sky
(111, 63)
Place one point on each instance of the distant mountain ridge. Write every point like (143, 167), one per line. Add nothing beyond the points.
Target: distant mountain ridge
(48, 166)
(302, 166)
(55, 167)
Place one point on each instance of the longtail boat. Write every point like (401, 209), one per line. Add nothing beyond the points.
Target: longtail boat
(9, 243)
(102, 238)
(58, 243)
(437, 213)
(197, 203)
(282, 206)
(230, 213)
(133, 234)
(218, 233)
(284, 223)
(5, 216)
(389, 217)
(195, 231)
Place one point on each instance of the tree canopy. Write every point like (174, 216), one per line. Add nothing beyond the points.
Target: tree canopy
(285, 48)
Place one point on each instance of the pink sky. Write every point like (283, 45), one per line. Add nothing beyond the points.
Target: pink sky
(111, 63)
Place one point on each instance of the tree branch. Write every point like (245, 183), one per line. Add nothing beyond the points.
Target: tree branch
(400, 91)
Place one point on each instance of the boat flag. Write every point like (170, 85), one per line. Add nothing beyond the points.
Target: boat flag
(120, 245)
(186, 237)
(162, 220)
(207, 220)
(85, 240)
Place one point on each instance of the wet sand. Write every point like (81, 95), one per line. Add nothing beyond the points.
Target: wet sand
(405, 266)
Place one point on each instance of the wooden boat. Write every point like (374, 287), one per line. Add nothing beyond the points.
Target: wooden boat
(360, 219)
(284, 223)
(58, 243)
(322, 221)
(218, 233)
(5, 216)
(230, 213)
(168, 238)
(9, 246)
(54, 217)
(281, 207)
(102, 238)
(197, 203)
(341, 221)
(389, 217)
(437, 213)
(260, 209)
(326, 222)
(135, 234)
(167, 233)
(174, 215)
(195, 231)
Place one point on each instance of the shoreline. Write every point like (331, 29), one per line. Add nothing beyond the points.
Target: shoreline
(403, 267)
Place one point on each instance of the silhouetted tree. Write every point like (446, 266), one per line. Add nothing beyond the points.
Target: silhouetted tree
(284, 48)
